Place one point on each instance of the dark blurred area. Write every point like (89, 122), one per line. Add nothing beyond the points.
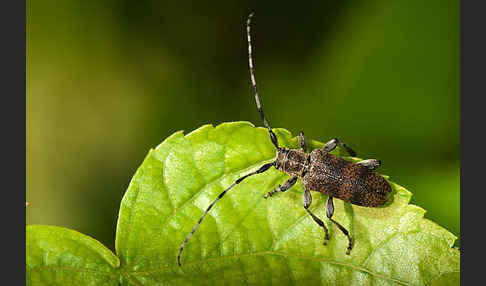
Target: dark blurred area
(108, 80)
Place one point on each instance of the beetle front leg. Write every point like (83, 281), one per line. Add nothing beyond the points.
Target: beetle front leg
(302, 141)
(329, 213)
(331, 145)
(287, 185)
(307, 203)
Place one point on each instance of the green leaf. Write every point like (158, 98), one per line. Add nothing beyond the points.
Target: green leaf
(59, 256)
(246, 239)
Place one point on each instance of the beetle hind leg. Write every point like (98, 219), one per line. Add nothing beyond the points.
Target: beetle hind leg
(371, 164)
(329, 213)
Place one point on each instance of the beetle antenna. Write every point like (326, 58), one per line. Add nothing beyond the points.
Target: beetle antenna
(253, 83)
(261, 170)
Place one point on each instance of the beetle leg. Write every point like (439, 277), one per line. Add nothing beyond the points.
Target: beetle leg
(331, 145)
(302, 141)
(372, 164)
(287, 185)
(329, 213)
(307, 203)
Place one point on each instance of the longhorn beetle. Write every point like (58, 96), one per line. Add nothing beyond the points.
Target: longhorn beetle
(355, 183)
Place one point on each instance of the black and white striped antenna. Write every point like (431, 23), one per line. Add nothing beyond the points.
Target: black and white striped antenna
(261, 169)
(253, 83)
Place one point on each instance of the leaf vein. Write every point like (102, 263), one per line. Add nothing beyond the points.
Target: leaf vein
(286, 255)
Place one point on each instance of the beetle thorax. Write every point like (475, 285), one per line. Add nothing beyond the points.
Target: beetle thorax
(291, 161)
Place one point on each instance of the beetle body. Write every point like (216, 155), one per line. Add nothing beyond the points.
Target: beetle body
(323, 172)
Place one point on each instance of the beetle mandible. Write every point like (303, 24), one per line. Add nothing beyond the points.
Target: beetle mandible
(320, 171)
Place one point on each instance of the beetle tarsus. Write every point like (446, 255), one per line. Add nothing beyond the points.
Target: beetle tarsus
(282, 188)
(326, 239)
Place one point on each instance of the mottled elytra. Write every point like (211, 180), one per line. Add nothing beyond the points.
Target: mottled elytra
(320, 171)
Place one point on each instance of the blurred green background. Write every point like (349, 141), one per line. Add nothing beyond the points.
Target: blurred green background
(108, 80)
